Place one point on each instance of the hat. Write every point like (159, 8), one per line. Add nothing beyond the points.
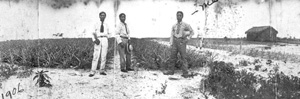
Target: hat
(186, 33)
(129, 48)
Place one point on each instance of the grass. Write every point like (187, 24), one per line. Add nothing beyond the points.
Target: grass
(7, 70)
(224, 82)
(236, 47)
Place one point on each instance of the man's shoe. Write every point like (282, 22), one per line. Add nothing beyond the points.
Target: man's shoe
(102, 73)
(91, 75)
(187, 75)
(123, 70)
(169, 73)
(130, 69)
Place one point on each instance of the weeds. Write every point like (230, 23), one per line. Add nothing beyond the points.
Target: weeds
(7, 70)
(256, 61)
(244, 63)
(225, 83)
(24, 72)
(257, 67)
(163, 89)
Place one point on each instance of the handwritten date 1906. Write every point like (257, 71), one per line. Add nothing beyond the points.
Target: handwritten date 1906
(14, 91)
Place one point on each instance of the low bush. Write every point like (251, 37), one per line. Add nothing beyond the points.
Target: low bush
(224, 82)
(7, 70)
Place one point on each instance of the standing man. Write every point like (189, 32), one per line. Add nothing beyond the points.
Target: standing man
(200, 43)
(123, 37)
(180, 35)
(100, 40)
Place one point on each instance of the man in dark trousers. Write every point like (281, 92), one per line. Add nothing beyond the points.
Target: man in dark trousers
(123, 39)
(180, 35)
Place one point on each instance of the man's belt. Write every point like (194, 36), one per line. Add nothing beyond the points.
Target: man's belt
(101, 36)
(178, 37)
(124, 37)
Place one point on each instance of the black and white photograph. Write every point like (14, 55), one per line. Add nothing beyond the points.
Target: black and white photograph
(149, 49)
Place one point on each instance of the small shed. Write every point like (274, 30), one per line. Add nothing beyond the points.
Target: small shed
(262, 33)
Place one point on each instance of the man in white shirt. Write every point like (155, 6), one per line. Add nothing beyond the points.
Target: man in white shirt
(123, 38)
(181, 33)
(100, 40)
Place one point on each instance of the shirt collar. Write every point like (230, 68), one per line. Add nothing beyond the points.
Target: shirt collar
(122, 23)
(179, 23)
(103, 22)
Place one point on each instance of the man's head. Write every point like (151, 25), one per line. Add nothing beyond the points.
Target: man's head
(179, 15)
(122, 17)
(102, 16)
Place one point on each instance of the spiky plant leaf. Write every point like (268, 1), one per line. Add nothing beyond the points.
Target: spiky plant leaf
(47, 77)
(36, 76)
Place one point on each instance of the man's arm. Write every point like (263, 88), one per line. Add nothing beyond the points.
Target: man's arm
(118, 38)
(94, 35)
(191, 32)
(108, 31)
(172, 35)
(128, 31)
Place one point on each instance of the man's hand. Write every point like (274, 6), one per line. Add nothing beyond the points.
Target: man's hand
(129, 41)
(122, 44)
(188, 37)
(97, 41)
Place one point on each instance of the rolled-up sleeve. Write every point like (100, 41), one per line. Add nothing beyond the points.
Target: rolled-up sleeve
(128, 31)
(172, 35)
(118, 31)
(108, 31)
(93, 32)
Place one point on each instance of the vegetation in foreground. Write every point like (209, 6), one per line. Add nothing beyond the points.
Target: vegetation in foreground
(224, 82)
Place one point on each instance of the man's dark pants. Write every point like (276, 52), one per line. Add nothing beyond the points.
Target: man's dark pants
(178, 46)
(125, 56)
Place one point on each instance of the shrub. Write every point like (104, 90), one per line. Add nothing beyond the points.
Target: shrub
(244, 63)
(257, 67)
(7, 70)
(225, 83)
(42, 79)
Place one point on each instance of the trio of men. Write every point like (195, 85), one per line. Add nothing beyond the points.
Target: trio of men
(180, 35)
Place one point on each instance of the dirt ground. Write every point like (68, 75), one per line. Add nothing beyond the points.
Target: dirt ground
(75, 84)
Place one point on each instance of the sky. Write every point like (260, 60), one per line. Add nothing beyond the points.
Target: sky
(30, 19)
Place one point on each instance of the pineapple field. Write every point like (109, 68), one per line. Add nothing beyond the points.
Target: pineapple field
(220, 71)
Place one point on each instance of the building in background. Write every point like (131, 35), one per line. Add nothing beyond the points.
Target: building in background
(262, 33)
